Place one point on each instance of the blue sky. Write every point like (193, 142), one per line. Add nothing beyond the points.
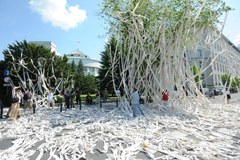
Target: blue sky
(232, 26)
(71, 24)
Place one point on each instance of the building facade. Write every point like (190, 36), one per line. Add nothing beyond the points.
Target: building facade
(91, 66)
(219, 58)
(48, 44)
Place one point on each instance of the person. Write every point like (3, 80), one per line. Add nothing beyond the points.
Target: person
(228, 95)
(97, 97)
(71, 98)
(27, 102)
(135, 98)
(105, 95)
(50, 99)
(88, 99)
(14, 110)
(67, 96)
(165, 97)
(78, 97)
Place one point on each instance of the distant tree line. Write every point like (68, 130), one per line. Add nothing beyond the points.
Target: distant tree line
(26, 60)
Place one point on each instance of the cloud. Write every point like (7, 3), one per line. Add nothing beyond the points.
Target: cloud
(58, 13)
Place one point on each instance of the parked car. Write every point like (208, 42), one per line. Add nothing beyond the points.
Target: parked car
(218, 91)
(208, 92)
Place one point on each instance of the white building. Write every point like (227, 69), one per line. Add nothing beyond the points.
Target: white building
(48, 44)
(222, 57)
(91, 66)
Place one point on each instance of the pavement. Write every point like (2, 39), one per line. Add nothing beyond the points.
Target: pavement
(7, 142)
(235, 98)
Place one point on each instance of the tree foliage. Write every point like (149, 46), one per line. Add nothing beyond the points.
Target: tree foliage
(80, 67)
(39, 69)
(29, 61)
(226, 79)
(230, 81)
(197, 74)
(154, 35)
(106, 73)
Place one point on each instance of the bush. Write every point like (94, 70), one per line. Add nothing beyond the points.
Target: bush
(59, 99)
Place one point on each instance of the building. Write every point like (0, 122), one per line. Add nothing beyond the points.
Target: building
(91, 66)
(222, 57)
(48, 44)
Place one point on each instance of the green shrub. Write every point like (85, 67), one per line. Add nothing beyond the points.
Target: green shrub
(59, 99)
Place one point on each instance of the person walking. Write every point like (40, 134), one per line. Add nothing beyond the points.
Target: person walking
(135, 98)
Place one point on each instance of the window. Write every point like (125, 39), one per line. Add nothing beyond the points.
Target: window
(199, 53)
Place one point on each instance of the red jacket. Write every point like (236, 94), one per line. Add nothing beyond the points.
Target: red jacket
(165, 95)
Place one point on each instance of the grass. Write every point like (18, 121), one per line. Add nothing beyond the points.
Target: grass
(110, 98)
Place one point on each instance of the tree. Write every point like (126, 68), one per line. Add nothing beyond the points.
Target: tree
(226, 78)
(106, 73)
(73, 66)
(154, 35)
(36, 66)
(79, 81)
(80, 67)
(197, 74)
(89, 84)
(229, 81)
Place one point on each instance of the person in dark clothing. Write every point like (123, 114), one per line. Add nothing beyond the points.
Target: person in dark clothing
(97, 97)
(78, 98)
(27, 103)
(72, 95)
(88, 99)
(67, 96)
(105, 95)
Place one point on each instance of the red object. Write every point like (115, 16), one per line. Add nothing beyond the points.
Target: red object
(165, 95)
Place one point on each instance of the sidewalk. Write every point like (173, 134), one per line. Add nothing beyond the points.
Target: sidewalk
(99, 133)
(235, 98)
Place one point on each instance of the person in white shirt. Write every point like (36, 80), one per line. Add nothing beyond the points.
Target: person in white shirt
(135, 102)
(50, 99)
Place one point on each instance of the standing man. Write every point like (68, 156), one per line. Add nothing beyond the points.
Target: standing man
(135, 102)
